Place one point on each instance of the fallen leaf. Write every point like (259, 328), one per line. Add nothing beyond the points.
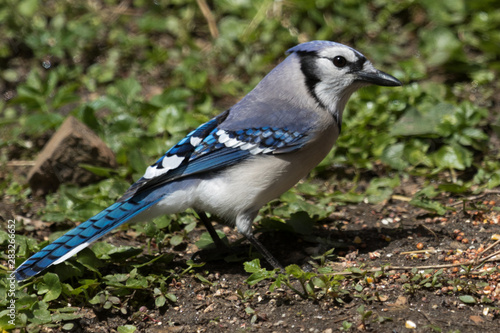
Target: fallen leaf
(476, 319)
(400, 302)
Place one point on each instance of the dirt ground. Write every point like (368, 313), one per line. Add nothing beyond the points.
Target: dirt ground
(367, 236)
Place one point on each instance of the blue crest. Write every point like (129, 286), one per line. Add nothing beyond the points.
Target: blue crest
(313, 46)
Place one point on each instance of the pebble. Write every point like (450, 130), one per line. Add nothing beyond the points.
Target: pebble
(410, 324)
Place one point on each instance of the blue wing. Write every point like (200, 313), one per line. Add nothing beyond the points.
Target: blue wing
(208, 148)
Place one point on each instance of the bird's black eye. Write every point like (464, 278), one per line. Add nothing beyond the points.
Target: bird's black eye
(339, 61)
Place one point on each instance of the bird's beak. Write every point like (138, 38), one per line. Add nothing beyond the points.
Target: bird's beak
(379, 78)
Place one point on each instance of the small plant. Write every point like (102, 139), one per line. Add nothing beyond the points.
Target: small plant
(365, 315)
(312, 285)
(346, 326)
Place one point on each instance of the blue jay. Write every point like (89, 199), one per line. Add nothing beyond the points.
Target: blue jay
(243, 158)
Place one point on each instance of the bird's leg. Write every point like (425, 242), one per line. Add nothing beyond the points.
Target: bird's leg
(264, 252)
(219, 244)
(224, 249)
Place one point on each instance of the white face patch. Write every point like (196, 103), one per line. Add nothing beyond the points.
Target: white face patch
(349, 54)
(336, 84)
(329, 75)
(368, 67)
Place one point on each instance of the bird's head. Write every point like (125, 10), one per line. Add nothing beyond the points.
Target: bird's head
(334, 71)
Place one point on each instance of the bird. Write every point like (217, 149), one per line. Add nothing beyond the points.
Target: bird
(241, 159)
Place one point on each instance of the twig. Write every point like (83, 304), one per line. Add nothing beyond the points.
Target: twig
(400, 198)
(491, 246)
(205, 10)
(396, 268)
(373, 270)
(481, 272)
(20, 163)
(430, 230)
(119, 10)
(475, 197)
(420, 251)
(477, 260)
(423, 314)
(490, 256)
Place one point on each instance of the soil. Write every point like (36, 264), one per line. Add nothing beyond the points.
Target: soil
(366, 236)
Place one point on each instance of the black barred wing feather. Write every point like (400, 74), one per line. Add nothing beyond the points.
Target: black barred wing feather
(209, 148)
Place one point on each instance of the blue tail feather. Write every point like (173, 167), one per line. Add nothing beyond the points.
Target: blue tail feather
(80, 237)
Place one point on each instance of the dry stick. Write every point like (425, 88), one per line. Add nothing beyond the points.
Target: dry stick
(473, 262)
(395, 268)
(476, 260)
(430, 230)
(475, 197)
(20, 163)
(205, 10)
(491, 246)
(400, 198)
(420, 251)
(494, 254)
(423, 314)
(119, 10)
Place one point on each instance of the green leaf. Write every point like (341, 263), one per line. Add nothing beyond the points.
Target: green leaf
(319, 283)
(252, 266)
(249, 310)
(51, 287)
(426, 203)
(440, 45)
(160, 301)
(88, 259)
(348, 197)
(301, 223)
(140, 282)
(417, 122)
(308, 188)
(258, 273)
(171, 297)
(41, 314)
(453, 157)
(381, 189)
(176, 240)
(129, 89)
(27, 8)
(97, 170)
(206, 240)
(394, 156)
(294, 270)
(453, 188)
(126, 329)
(66, 316)
(68, 326)
(468, 299)
(164, 258)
